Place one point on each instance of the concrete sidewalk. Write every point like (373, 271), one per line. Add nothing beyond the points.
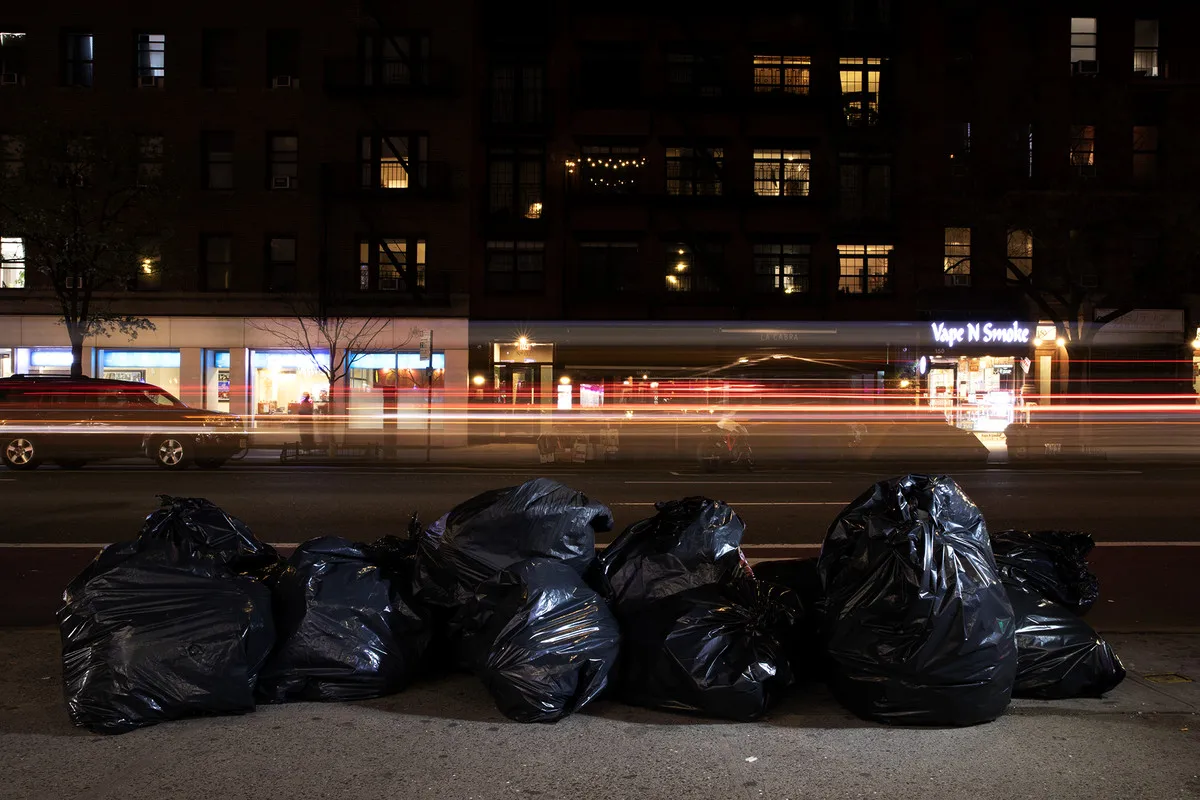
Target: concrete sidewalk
(444, 739)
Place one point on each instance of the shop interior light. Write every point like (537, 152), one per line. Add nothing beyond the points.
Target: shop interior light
(653, 384)
(1037, 342)
(478, 380)
(1196, 343)
(904, 383)
(672, 279)
(147, 266)
(523, 343)
(564, 380)
(645, 377)
(1060, 341)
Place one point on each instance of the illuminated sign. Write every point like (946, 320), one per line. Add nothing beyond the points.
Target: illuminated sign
(146, 359)
(982, 332)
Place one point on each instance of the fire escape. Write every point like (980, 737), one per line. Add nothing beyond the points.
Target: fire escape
(392, 72)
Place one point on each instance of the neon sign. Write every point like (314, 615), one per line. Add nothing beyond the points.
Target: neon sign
(985, 333)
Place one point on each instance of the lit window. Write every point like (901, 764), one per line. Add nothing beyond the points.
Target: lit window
(956, 263)
(148, 270)
(781, 173)
(610, 170)
(394, 162)
(1083, 44)
(787, 74)
(1083, 148)
(12, 58)
(1145, 48)
(863, 269)
(860, 89)
(695, 170)
(1020, 255)
(12, 262)
(782, 268)
(692, 268)
(151, 55)
(516, 182)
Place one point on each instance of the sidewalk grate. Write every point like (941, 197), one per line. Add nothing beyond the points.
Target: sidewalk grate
(1167, 677)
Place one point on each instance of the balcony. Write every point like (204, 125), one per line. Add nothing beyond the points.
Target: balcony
(380, 181)
(390, 77)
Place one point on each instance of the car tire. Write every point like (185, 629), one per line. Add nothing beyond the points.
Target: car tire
(19, 452)
(171, 452)
(210, 463)
(71, 463)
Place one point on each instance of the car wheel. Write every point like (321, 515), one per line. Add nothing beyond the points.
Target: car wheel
(20, 453)
(210, 463)
(71, 463)
(171, 453)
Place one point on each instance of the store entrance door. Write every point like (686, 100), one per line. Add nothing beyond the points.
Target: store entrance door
(517, 385)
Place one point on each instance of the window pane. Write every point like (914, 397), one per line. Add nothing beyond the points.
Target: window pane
(283, 249)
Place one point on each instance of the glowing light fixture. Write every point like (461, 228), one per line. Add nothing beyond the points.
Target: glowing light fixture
(671, 279)
(1060, 341)
(1037, 342)
(147, 266)
(564, 380)
(478, 380)
(680, 267)
(653, 384)
(743, 360)
(904, 383)
(523, 343)
(645, 377)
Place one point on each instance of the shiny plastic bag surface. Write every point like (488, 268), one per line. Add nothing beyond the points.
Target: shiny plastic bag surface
(194, 523)
(689, 543)
(918, 626)
(1059, 655)
(494, 530)
(345, 630)
(151, 633)
(547, 642)
(1052, 563)
(803, 644)
(715, 650)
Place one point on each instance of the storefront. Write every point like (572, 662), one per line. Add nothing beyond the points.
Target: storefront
(216, 380)
(523, 373)
(392, 391)
(279, 380)
(157, 367)
(35, 361)
(980, 375)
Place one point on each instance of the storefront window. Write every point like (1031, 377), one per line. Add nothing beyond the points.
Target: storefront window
(8, 364)
(395, 386)
(281, 377)
(216, 380)
(978, 394)
(40, 361)
(156, 367)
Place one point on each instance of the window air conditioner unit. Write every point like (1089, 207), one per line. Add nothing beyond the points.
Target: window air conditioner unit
(281, 182)
(389, 284)
(282, 82)
(1085, 170)
(1086, 67)
(149, 82)
(73, 282)
(9, 79)
(958, 280)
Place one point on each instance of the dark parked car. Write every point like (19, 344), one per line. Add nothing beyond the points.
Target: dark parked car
(71, 421)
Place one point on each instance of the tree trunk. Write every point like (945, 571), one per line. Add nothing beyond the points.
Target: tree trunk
(76, 350)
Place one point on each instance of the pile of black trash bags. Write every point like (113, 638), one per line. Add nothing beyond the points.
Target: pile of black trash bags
(913, 613)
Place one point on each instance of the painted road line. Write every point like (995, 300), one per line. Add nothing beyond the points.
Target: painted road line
(731, 483)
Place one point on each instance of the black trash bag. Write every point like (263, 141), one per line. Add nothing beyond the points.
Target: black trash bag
(492, 531)
(918, 625)
(152, 632)
(345, 630)
(804, 648)
(689, 543)
(545, 641)
(196, 524)
(1052, 563)
(715, 650)
(1059, 655)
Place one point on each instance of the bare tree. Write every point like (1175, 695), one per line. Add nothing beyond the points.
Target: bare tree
(333, 343)
(89, 208)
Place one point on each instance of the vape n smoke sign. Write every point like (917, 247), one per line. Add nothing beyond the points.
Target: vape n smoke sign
(982, 332)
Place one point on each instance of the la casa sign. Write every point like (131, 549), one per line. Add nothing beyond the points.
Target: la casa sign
(982, 332)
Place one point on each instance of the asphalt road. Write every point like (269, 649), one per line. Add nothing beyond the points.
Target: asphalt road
(291, 504)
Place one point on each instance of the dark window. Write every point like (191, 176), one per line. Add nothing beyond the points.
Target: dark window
(1143, 253)
(12, 155)
(1020, 255)
(283, 55)
(695, 170)
(391, 261)
(12, 58)
(863, 269)
(786, 74)
(78, 59)
(958, 144)
(856, 14)
(283, 158)
(151, 55)
(150, 158)
(394, 161)
(1145, 48)
(860, 89)
(608, 267)
(782, 268)
(515, 267)
(218, 159)
(218, 58)
(781, 173)
(865, 188)
(281, 264)
(605, 169)
(1021, 150)
(693, 267)
(695, 74)
(516, 93)
(395, 59)
(1083, 149)
(1145, 153)
(217, 252)
(610, 69)
(516, 182)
